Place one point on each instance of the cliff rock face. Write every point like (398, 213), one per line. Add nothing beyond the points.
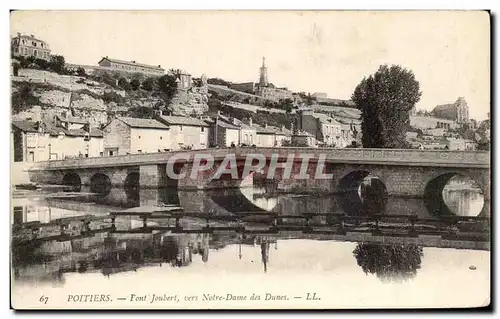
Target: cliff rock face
(190, 102)
(80, 97)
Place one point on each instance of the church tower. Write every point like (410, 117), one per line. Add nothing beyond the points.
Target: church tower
(263, 74)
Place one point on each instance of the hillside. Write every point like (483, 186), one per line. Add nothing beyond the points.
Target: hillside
(38, 93)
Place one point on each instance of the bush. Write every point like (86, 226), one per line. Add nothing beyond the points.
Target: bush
(148, 84)
(112, 97)
(135, 84)
(24, 98)
(124, 84)
(81, 72)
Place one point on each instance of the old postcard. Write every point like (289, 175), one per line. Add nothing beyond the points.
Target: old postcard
(250, 159)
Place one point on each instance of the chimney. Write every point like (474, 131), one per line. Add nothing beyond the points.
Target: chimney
(159, 65)
(265, 125)
(32, 35)
(19, 34)
(133, 61)
(219, 112)
(283, 128)
(292, 128)
(250, 122)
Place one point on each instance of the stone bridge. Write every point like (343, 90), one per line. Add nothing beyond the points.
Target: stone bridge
(404, 172)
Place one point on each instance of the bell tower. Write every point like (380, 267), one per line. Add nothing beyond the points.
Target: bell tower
(263, 74)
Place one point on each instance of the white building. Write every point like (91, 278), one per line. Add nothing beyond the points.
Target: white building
(126, 135)
(186, 132)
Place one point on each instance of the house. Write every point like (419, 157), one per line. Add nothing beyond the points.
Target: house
(70, 122)
(29, 46)
(41, 141)
(223, 133)
(131, 67)
(185, 132)
(271, 136)
(248, 132)
(126, 135)
(304, 139)
(338, 131)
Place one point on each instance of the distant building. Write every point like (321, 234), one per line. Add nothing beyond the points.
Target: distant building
(263, 88)
(271, 136)
(247, 87)
(304, 139)
(42, 141)
(327, 130)
(458, 111)
(131, 67)
(430, 122)
(274, 94)
(248, 133)
(29, 46)
(126, 135)
(319, 95)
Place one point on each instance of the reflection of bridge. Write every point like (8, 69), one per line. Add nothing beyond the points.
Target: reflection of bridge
(417, 173)
(445, 232)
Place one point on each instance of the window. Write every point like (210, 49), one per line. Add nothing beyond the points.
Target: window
(101, 154)
(180, 128)
(139, 137)
(87, 155)
(159, 151)
(31, 157)
(111, 153)
(139, 151)
(161, 137)
(202, 129)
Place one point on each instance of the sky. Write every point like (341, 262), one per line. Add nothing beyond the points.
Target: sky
(322, 51)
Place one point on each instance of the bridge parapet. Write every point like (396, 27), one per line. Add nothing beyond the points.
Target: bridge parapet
(479, 159)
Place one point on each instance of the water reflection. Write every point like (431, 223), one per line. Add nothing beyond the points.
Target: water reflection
(390, 263)
(112, 253)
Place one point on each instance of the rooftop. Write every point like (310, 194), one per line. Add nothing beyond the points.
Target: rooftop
(31, 127)
(132, 63)
(25, 126)
(143, 123)
(28, 37)
(182, 120)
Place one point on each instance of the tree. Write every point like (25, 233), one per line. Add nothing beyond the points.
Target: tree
(57, 64)
(385, 100)
(111, 97)
(389, 262)
(309, 99)
(168, 87)
(135, 84)
(148, 84)
(217, 81)
(80, 72)
(15, 68)
(24, 98)
(175, 72)
(124, 84)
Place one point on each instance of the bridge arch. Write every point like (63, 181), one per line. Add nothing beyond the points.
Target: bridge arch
(362, 192)
(434, 197)
(72, 179)
(100, 183)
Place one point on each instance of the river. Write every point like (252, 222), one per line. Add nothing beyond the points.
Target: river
(344, 273)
